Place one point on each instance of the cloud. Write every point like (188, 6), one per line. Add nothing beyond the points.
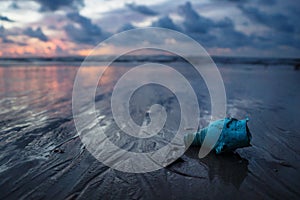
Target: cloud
(279, 17)
(52, 5)
(38, 33)
(14, 5)
(126, 27)
(274, 39)
(142, 9)
(211, 33)
(231, 38)
(166, 22)
(3, 35)
(275, 21)
(59, 50)
(2, 31)
(233, 25)
(4, 18)
(86, 32)
(193, 22)
(4, 40)
(260, 2)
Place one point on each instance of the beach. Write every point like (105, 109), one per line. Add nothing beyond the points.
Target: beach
(42, 157)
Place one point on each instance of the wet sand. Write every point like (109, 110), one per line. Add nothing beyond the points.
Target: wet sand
(41, 157)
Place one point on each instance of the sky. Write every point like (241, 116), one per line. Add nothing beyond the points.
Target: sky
(247, 28)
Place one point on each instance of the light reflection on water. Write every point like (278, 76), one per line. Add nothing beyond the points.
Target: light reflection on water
(36, 115)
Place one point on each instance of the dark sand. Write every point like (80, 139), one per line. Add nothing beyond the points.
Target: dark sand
(41, 159)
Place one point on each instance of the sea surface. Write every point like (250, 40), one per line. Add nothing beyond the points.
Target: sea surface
(42, 157)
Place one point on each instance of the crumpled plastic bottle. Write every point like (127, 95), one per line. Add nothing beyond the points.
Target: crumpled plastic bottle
(235, 134)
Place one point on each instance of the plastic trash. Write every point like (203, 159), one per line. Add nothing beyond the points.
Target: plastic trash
(235, 134)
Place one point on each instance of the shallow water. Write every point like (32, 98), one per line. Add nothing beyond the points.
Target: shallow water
(41, 157)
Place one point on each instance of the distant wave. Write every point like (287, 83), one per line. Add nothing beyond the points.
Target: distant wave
(145, 58)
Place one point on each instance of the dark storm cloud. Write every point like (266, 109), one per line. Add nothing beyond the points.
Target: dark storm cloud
(275, 39)
(260, 2)
(87, 32)
(193, 22)
(224, 33)
(38, 33)
(166, 22)
(4, 18)
(264, 2)
(8, 41)
(210, 33)
(2, 31)
(142, 9)
(228, 36)
(196, 23)
(281, 17)
(52, 5)
(3, 35)
(126, 27)
(276, 21)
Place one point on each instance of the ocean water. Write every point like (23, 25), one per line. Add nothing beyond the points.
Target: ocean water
(41, 157)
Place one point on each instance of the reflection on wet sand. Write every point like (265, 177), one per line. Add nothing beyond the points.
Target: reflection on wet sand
(46, 85)
(229, 168)
(36, 82)
(36, 117)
